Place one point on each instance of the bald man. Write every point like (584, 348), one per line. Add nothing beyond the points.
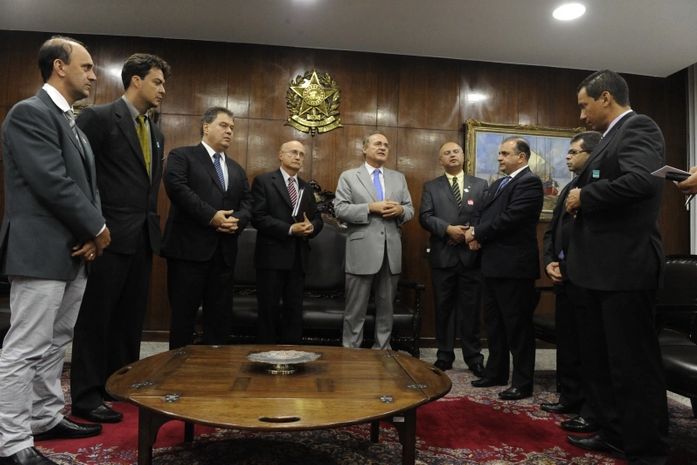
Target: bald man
(448, 204)
(286, 218)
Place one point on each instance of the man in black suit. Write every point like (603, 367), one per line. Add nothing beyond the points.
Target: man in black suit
(569, 312)
(52, 226)
(282, 245)
(506, 232)
(211, 205)
(448, 204)
(616, 256)
(128, 150)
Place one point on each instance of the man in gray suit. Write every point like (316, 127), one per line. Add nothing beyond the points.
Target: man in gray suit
(52, 226)
(375, 202)
(448, 204)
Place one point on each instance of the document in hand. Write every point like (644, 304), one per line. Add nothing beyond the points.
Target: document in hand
(671, 174)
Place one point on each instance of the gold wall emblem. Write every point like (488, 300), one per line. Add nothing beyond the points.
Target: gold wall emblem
(313, 103)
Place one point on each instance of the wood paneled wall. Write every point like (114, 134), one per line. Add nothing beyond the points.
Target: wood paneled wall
(418, 103)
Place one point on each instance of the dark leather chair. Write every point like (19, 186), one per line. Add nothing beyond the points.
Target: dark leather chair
(323, 304)
(676, 321)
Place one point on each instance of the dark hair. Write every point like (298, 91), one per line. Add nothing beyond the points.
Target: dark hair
(606, 80)
(212, 113)
(589, 140)
(140, 64)
(55, 48)
(521, 145)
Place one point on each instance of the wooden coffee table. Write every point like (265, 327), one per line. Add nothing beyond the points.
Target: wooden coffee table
(218, 386)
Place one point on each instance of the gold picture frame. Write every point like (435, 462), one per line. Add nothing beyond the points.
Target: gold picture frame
(548, 146)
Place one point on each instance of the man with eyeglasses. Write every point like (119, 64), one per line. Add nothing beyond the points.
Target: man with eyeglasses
(506, 232)
(211, 205)
(569, 299)
(286, 217)
(448, 205)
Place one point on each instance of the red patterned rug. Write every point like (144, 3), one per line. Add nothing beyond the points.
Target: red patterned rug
(468, 426)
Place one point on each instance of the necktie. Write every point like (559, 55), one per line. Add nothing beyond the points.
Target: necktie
(455, 187)
(503, 184)
(144, 142)
(219, 170)
(70, 116)
(378, 187)
(292, 192)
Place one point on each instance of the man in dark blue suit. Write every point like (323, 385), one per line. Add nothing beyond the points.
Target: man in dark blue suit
(211, 205)
(448, 204)
(616, 256)
(282, 245)
(128, 149)
(569, 303)
(506, 232)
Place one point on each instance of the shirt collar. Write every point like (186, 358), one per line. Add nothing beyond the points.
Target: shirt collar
(56, 97)
(210, 150)
(134, 112)
(460, 176)
(614, 121)
(286, 176)
(372, 168)
(517, 172)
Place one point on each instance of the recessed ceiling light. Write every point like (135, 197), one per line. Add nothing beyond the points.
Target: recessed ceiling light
(569, 11)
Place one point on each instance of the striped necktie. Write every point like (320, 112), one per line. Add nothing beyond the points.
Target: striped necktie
(292, 192)
(455, 187)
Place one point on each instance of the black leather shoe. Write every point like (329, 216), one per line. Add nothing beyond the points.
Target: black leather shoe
(515, 393)
(579, 425)
(442, 365)
(68, 429)
(488, 382)
(101, 414)
(558, 407)
(597, 444)
(477, 368)
(28, 456)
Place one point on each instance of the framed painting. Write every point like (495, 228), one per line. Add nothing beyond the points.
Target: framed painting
(548, 147)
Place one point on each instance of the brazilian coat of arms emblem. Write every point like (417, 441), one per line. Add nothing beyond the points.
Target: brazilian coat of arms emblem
(313, 103)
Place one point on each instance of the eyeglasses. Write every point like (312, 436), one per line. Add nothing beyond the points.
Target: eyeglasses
(576, 152)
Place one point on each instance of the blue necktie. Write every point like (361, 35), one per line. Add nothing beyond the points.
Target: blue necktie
(219, 170)
(503, 184)
(378, 186)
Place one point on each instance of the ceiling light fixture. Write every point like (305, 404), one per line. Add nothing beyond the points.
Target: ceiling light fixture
(569, 11)
(475, 97)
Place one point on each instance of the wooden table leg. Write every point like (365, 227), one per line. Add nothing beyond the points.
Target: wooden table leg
(375, 431)
(406, 427)
(149, 424)
(188, 431)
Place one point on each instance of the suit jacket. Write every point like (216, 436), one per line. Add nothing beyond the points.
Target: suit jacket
(439, 210)
(506, 228)
(615, 244)
(271, 215)
(129, 195)
(193, 187)
(368, 233)
(558, 233)
(51, 196)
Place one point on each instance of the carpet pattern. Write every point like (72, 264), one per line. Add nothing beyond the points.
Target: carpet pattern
(468, 426)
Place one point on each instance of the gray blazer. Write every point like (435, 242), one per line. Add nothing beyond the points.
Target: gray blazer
(51, 202)
(368, 233)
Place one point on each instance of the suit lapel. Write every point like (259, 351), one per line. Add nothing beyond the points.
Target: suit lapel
(599, 150)
(281, 187)
(364, 179)
(444, 186)
(126, 125)
(63, 121)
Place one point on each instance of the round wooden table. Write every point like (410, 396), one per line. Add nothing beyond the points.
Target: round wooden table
(219, 386)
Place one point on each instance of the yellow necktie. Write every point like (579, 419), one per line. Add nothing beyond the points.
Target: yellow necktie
(144, 142)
